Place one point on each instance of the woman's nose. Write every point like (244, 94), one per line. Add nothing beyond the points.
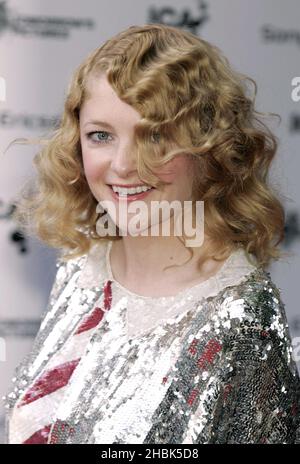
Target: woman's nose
(124, 161)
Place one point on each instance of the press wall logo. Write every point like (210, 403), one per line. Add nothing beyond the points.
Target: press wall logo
(184, 17)
(272, 34)
(10, 120)
(43, 26)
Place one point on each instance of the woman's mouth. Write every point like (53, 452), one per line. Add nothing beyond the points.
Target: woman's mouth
(130, 196)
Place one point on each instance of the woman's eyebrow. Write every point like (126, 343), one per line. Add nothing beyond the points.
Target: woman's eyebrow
(99, 123)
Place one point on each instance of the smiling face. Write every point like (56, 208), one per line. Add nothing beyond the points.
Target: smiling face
(106, 135)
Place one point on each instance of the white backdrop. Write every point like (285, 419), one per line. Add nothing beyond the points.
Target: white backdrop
(41, 43)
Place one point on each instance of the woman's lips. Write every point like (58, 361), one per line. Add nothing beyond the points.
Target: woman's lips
(134, 197)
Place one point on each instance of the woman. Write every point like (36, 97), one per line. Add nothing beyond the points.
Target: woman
(143, 339)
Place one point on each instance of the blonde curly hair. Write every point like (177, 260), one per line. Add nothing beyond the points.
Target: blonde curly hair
(186, 92)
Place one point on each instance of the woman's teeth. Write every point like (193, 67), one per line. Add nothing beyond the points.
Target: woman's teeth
(130, 191)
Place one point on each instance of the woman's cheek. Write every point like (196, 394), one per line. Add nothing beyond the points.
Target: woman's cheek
(91, 167)
(174, 169)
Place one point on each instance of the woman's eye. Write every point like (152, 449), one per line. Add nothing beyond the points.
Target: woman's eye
(102, 138)
(155, 137)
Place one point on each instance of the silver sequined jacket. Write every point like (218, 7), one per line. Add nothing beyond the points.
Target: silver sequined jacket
(213, 364)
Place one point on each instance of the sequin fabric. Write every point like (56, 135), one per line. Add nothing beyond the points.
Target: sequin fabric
(213, 364)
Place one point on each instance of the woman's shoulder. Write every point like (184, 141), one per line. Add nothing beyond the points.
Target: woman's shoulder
(67, 278)
(257, 295)
(255, 298)
(242, 289)
(246, 291)
(251, 319)
(86, 263)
